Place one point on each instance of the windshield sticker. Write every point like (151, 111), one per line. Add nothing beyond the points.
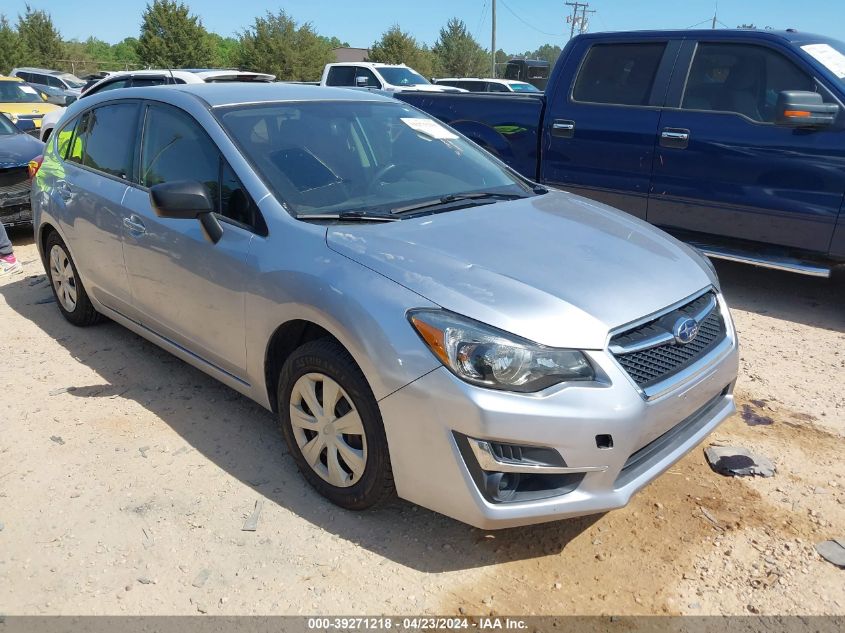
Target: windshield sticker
(429, 127)
(832, 59)
(28, 89)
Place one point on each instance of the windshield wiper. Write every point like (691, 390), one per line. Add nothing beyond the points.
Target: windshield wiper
(455, 197)
(347, 216)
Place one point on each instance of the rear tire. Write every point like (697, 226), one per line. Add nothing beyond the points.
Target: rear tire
(68, 290)
(333, 427)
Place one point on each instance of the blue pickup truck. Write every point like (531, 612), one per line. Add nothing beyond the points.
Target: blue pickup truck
(732, 140)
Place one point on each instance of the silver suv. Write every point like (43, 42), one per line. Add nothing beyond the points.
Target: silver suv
(422, 320)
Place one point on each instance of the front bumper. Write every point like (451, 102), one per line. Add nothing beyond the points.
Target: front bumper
(426, 420)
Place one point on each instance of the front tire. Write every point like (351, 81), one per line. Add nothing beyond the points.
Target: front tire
(333, 428)
(68, 290)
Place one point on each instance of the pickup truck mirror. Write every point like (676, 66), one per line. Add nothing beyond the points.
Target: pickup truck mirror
(796, 108)
(361, 82)
(186, 200)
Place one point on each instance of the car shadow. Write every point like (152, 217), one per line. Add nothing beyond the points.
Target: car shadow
(813, 301)
(241, 438)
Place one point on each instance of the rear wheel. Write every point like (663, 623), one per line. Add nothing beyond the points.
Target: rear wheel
(70, 294)
(332, 425)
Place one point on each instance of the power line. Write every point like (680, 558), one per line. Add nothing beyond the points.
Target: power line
(530, 26)
(480, 20)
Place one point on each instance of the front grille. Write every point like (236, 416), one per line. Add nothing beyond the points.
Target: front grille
(649, 366)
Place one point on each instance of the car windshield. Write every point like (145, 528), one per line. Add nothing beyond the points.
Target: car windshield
(342, 156)
(7, 127)
(524, 88)
(402, 77)
(72, 80)
(17, 92)
(831, 54)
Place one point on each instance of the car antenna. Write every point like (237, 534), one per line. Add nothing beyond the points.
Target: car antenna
(172, 78)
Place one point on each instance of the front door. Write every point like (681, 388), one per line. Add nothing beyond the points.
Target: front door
(598, 139)
(184, 287)
(724, 168)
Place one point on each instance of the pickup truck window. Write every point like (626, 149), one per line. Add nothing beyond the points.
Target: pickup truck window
(619, 74)
(741, 78)
(368, 74)
(341, 76)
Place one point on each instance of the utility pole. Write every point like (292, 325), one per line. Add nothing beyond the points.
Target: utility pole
(574, 19)
(493, 43)
(582, 28)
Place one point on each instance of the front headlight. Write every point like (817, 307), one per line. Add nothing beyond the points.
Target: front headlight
(488, 357)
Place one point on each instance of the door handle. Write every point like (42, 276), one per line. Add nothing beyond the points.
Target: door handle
(134, 224)
(563, 128)
(675, 137)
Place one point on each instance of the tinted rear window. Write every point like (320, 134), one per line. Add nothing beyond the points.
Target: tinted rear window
(621, 74)
(341, 76)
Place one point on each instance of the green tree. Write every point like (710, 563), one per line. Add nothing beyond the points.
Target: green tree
(171, 37)
(226, 50)
(457, 54)
(397, 47)
(126, 53)
(549, 52)
(335, 42)
(10, 48)
(40, 42)
(275, 44)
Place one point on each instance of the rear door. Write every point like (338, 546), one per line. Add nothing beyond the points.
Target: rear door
(185, 288)
(89, 189)
(724, 168)
(601, 122)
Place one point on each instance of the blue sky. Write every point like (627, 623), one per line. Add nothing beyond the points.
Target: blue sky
(522, 24)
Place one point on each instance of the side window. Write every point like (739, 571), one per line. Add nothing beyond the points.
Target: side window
(496, 87)
(369, 75)
(175, 147)
(25, 76)
(64, 138)
(140, 82)
(619, 74)
(341, 76)
(741, 78)
(118, 83)
(106, 139)
(55, 82)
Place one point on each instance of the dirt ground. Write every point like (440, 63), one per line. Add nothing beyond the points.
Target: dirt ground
(126, 477)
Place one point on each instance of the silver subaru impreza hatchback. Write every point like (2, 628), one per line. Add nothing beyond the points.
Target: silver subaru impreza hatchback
(423, 320)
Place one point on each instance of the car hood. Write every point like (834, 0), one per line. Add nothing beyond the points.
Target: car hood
(28, 108)
(428, 88)
(556, 269)
(18, 149)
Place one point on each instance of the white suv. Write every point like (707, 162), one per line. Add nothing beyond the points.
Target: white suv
(388, 77)
(136, 78)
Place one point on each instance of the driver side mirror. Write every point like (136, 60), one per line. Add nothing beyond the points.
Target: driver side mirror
(186, 200)
(361, 82)
(797, 108)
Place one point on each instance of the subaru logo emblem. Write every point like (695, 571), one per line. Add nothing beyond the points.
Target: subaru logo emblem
(685, 330)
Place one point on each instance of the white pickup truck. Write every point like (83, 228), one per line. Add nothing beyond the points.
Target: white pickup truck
(388, 77)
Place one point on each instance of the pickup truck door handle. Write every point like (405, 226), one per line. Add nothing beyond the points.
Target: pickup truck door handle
(674, 137)
(134, 225)
(563, 128)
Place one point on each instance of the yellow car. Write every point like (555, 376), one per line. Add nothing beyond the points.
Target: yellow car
(19, 101)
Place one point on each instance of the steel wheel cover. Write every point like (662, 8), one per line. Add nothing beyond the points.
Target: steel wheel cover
(64, 281)
(328, 430)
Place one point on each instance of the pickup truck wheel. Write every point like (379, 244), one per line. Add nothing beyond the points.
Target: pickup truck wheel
(332, 425)
(70, 294)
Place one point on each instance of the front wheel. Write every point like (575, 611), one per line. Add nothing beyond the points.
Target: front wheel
(332, 425)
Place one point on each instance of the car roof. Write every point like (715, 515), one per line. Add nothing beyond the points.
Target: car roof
(376, 64)
(507, 82)
(232, 93)
(789, 35)
(44, 71)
